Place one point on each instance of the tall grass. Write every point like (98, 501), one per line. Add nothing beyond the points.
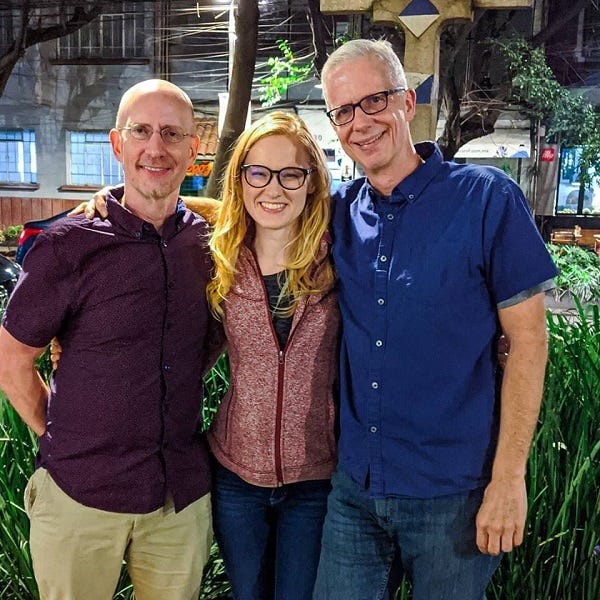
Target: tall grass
(18, 446)
(557, 560)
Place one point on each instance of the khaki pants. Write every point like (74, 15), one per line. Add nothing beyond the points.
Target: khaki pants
(78, 551)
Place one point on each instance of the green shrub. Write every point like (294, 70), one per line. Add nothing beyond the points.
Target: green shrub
(557, 560)
(18, 446)
(579, 272)
(12, 232)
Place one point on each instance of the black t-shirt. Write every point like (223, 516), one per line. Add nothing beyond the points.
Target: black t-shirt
(281, 322)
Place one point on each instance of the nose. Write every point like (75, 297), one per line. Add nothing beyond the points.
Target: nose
(274, 187)
(155, 145)
(361, 119)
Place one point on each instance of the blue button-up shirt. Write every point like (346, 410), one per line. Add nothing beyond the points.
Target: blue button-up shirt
(422, 275)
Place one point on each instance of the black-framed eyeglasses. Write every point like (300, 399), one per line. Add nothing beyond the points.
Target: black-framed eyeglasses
(290, 178)
(142, 133)
(370, 105)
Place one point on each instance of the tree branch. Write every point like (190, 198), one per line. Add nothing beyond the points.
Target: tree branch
(570, 13)
(27, 36)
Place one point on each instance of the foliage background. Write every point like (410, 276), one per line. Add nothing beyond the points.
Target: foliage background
(560, 557)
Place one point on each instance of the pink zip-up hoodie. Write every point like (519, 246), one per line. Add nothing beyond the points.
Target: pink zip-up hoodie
(276, 423)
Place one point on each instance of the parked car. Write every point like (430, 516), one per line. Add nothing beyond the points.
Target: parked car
(9, 273)
(30, 232)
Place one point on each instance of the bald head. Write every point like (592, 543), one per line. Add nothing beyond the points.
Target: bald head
(152, 87)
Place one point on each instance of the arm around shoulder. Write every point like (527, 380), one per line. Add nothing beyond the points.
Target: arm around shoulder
(206, 207)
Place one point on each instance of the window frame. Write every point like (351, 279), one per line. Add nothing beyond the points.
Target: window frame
(28, 153)
(582, 194)
(134, 21)
(102, 141)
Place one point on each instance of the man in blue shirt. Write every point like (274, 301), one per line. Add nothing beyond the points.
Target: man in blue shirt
(434, 260)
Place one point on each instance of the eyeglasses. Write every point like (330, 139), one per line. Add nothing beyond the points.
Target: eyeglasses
(169, 135)
(370, 105)
(290, 178)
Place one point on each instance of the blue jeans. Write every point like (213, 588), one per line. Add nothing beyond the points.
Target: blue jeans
(270, 538)
(369, 544)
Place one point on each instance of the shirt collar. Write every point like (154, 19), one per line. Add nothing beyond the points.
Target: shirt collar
(137, 227)
(412, 186)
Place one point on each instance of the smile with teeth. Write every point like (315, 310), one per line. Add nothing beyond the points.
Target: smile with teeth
(371, 141)
(155, 169)
(272, 205)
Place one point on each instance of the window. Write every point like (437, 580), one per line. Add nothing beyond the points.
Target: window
(91, 159)
(7, 31)
(590, 28)
(18, 163)
(571, 197)
(118, 35)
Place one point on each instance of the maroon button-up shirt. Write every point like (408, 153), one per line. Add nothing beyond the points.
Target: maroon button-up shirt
(129, 308)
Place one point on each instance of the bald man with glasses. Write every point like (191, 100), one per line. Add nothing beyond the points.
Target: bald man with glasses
(122, 470)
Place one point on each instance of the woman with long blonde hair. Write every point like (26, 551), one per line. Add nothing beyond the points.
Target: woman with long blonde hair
(272, 438)
(273, 287)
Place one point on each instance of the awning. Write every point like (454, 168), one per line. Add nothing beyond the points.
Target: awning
(503, 143)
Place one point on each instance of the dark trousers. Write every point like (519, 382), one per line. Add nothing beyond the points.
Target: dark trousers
(270, 538)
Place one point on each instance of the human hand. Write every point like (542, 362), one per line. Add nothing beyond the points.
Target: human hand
(95, 206)
(503, 350)
(55, 352)
(500, 520)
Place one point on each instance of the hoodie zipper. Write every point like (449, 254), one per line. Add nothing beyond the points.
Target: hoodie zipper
(280, 375)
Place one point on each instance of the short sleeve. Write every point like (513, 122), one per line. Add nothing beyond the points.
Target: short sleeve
(516, 256)
(41, 299)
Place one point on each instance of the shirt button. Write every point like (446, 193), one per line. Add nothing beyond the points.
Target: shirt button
(374, 385)
(411, 196)
(390, 217)
(137, 235)
(167, 367)
(383, 258)
(380, 301)
(373, 429)
(164, 243)
(171, 285)
(379, 343)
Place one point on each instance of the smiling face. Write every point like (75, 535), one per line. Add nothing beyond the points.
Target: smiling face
(154, 169)
(380, 143)
(274, 207)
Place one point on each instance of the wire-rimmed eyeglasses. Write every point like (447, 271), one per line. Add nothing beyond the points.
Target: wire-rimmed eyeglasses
(289, 178)
(370, 105)
(142, 133)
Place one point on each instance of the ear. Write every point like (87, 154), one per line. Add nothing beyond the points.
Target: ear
(115, 141)
(410, 104)
(194, 149)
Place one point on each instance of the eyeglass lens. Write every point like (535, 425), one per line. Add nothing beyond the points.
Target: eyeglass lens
(170, 135)
(290, 178)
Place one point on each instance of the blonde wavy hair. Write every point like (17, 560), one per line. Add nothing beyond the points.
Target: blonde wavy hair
(233, 220)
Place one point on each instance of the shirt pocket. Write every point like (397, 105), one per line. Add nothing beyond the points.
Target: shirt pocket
(440, 274)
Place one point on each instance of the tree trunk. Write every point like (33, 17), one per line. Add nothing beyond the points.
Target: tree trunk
(240, 90)
(320, 35)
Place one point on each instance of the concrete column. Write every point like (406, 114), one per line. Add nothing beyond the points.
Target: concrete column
(422, 22)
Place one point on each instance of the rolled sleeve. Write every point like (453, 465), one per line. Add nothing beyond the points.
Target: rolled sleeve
(518, 261)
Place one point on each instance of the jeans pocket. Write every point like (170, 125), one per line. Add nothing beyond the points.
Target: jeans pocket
(33, 490)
